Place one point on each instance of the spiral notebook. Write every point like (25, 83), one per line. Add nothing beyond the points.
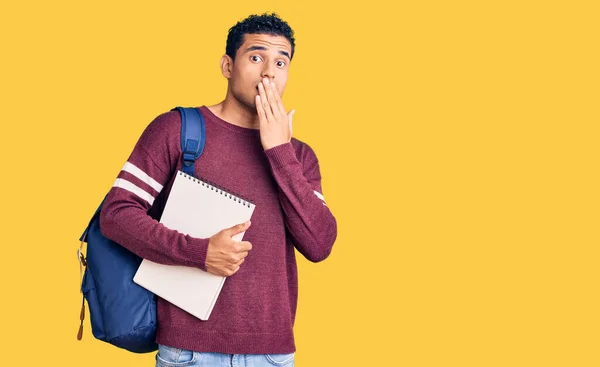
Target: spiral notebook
(200, 209)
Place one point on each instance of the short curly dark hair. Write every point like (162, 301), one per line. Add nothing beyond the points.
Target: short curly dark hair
(265, 23)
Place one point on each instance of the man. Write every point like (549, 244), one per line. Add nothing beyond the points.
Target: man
(249, 150)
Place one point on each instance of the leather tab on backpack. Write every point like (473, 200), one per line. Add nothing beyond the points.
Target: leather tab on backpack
(81, 318)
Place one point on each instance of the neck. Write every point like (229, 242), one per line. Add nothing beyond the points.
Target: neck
(236, 113)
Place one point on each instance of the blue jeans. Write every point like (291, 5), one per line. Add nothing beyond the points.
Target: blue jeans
(175, 357)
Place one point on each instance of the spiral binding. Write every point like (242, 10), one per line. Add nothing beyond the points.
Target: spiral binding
(220, 189)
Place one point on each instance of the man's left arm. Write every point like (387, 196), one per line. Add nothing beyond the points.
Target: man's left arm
(308, 219)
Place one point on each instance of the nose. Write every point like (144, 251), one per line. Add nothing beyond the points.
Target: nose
(268, 71)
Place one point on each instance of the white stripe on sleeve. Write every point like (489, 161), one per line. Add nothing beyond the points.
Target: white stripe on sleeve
(126, 185)
(319, 195)
(134, 170)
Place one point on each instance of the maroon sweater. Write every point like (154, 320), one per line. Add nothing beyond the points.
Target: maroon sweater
(255, 311)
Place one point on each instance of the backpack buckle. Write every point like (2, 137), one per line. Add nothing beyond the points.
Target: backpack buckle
(189, 158)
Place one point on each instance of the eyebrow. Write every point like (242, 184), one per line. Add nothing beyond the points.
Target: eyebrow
(261, 48)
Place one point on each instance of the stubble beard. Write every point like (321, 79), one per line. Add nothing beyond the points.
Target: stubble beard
(248, 103)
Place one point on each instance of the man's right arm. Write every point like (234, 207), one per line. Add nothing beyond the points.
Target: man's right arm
(124, 217)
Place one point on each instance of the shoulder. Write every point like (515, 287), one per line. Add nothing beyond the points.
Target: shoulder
(162, 134)
(164, 125)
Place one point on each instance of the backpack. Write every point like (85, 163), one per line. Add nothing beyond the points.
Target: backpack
(123, 313)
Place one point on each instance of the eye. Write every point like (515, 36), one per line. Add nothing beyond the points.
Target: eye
(255, 57)
(281, 63)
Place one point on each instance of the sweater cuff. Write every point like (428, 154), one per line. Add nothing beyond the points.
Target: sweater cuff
(197, 249)
(282, 155)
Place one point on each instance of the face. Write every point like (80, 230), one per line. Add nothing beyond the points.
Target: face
(260, 56)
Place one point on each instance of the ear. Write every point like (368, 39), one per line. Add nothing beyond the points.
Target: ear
(226, 66)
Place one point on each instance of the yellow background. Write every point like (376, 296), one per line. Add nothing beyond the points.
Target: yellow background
(458, 144)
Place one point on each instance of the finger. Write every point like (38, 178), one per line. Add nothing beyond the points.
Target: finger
(235, 257)
(244, 246)
(279, 100)
(238, 228)
(229, 272)
(265, 102)
(290, 115)
(276, 102)
(262, 117)
(239, 263)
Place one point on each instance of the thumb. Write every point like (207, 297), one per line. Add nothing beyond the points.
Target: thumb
(238, 228)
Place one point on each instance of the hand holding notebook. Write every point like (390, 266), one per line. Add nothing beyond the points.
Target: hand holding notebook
(225, 255)
(203, 210)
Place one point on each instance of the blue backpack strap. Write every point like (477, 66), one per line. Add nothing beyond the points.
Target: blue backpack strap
(193, 134)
